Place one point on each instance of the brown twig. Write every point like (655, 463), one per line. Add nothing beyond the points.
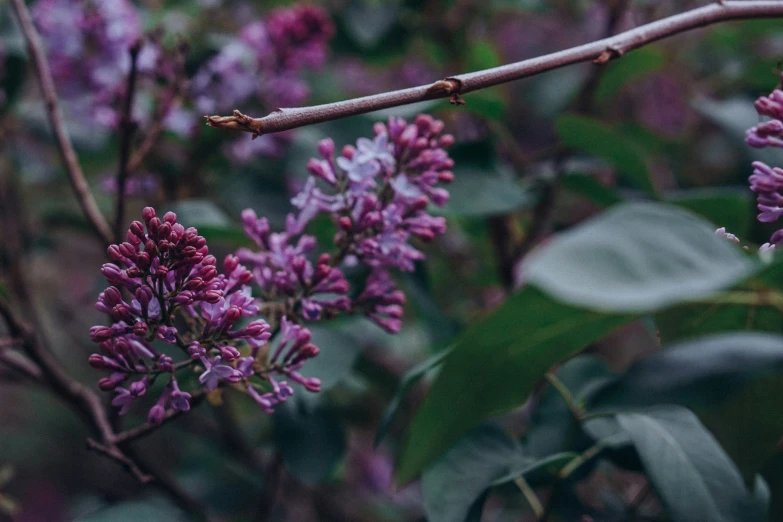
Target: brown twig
(600, 51)
(70, 160)
(127, 130)
(114, 453)
(20, 364)
(147, 428)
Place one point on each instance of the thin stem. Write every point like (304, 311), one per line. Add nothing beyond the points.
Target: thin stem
(530, 496)
(70, 160)
(127, 130)
(147, 428)
(600, 52)
(576, 410)
(566, 472)
(579, 460)
(764, 297)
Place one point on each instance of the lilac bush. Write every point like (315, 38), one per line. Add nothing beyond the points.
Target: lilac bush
(167, 289)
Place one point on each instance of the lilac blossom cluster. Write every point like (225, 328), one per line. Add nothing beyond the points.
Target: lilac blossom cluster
(265, 61)
(87, 45)
(264, 64)
(167, 291)
(377, 194)
(766, 181)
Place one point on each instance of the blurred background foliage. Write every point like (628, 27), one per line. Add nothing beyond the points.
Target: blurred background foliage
(665, 122)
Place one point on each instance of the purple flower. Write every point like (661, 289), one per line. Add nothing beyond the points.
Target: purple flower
(169, 272)
(215, 371)
(727, 235)
(180, 400)
(766, 181)
(123, 400)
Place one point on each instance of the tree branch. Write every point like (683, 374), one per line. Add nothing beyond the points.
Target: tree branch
(127, 130)
(70, 160)
(600, 52)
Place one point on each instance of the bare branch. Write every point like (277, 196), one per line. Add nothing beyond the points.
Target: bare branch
(600, 51)
(114, 453)
(20, 364)
(70, 160)
(127, 130)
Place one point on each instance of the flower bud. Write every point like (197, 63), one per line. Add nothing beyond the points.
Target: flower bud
(147, 214)
(196, 351)
(139, 388)
(114, 253)
(137, 229)
(230, 263)
(229, 353)
(326, 148)
(99, 334)
(100, 362)
(140, 329)
(156, 415)
(213, 296)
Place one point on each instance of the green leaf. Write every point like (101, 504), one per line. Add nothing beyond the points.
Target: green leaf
(734, 116)
(310, 439)
(153, 510)
(339, 350)
(748, 424)
(493, 368)
(409, 380)
(632, 67)
(368, 21)
(724, 207)
(195, 212)
(637, 257)
(485, 191)
(481, 55)
(700, 372)
(595, 138)
(688, 469)
(588, 187)
(723, 315)
(463, 473)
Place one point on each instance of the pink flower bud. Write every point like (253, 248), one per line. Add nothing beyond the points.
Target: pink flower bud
(326, 148)
(229, 353)
(137, 229)
(99, 334)
(156, 415)
(114, 253)
(140, 328)
(213, 296)
(147, 214)
(230, 263)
